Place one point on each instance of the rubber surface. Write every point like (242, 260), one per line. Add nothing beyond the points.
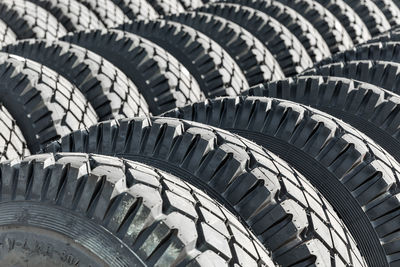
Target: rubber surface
(134, 9)
(286, 48)
(370, 109)
(309, 37)
(357, 177)
(372, 16)
(390, 10)
(109, 13)
(73, 15)
(350, 20)
(385, 51)
(324, 21)
(44, 104)
(165, 7)
(253, 58)
(160, 78)
(7, 35)
(134, 215)
(213, 68)
(191, 4)
(380, 73)
(12, 142)
(292, 219)
(111, 93)
(28, 20)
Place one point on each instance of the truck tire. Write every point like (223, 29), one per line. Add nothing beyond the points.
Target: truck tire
(383, 74)
(324, 21)
(28, 20)
(350, 20)
(109, 13)
(92, 210)
(284, 46)
(355, 175)
(12, 142)
(270, 196)
(110, 92)
(44, 104)
(370, 109)
(7, 35)
(253, 58)
(72, 14)
(212, 67)
(134, 9)
(160, 78)
(371, 15)
(308, 36)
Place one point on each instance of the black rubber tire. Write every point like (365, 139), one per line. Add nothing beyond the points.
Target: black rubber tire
(286, 48)
(213, 68)
(129, 214)
(379, 73)
(12, 142)
(389, 36)
(111, 93)
(309, 37)
(372, 16)
(390, 10)
(28, 20)
(386, 51)
(7, 36)
(134, 9)
(191, 4)
(253, 58)
(44, 104)
(355, 175)
(165, 7)
(370, 109)
(324, 21)
(109, 13)
(350, 20)
(73, 15)
(160, 78)
(291, 219)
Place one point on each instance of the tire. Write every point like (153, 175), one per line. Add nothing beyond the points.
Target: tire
(28, 20)
(111, 93)
(371, 15)
(370, 109)
(276, 202)
(354, 174)
(389, 36)
(387, 51)
(212, 67)
(191, 4)
(73, 15)
(379, 73)
(324, 21)
(308, 36)
(12, 142)
(44, 104)
(160, 78)
(390, 10)
(7, 35)
(253, 58)
(134, 9)
(109, 13)
(128, 213)
(285, 47)
(351, 21)
(165, 7)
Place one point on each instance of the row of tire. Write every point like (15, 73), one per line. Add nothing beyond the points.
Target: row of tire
(81, 78)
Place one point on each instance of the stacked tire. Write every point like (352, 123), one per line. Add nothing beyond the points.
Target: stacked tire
(199, 133)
